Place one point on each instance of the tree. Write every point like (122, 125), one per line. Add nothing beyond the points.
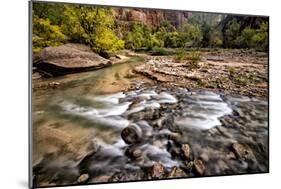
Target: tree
(45, 34)
(231, 34)
(191, 35)
(93, 26)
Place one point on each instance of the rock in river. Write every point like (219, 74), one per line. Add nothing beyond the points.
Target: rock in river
(243, 152)
(199, 167)
(176, 172)
(131, 134)
(69, 58)
(157, 170)
(186, 151)
(83, 178)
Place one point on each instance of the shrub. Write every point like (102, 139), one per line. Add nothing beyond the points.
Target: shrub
(159, 51)
(153, 42)
(193, 58)
(172, 39)
(179, 55)
(45, 34)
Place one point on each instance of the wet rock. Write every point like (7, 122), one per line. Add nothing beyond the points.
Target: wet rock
(83, 178)
(159, 122)
(157, 170)
(174, 148)
(101, 179)
(131, 134)
(175, 136)
(127, 176)
(204, 156)
(230, 155)
(243, 152)
(189, 166)
(186, 151)
(133, 153)
(199, 167)
(176, 172)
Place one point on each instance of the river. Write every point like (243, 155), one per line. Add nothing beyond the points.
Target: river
(77, 129)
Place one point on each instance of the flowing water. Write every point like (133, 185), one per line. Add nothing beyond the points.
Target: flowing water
(88, 113)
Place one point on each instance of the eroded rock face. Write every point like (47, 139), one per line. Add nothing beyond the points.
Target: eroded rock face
(151, 17)
(69, 58)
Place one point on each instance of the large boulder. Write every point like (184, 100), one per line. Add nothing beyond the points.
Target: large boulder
(69, 58)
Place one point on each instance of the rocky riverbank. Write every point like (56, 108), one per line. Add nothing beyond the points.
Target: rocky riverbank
(230, 71)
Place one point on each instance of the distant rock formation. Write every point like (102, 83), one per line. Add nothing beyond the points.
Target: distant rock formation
(151, 17)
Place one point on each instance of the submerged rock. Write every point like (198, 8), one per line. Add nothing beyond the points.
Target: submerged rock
(69, 58)
(243, 152)
(133, 153)
(131, 134)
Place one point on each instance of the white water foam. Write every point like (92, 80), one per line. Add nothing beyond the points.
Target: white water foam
(203, 111)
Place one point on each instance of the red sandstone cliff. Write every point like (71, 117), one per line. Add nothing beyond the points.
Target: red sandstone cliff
(151, 17)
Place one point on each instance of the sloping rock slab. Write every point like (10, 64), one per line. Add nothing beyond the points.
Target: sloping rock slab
(69, 58)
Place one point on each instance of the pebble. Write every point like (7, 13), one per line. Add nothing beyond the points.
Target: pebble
(83, 178)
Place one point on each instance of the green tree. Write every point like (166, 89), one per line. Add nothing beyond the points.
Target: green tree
(191, 35)
(260, 39)
(215, 39)
(45, 34)
(93, 26)
(231, 34)
(172, 39)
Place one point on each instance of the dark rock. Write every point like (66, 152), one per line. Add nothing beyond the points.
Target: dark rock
(174, 148)
(131, 134)
(189, 166)
(157, 170)
(83, 178)
(69, 58)
(199, 167)
(175, 136)
(133, 153)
